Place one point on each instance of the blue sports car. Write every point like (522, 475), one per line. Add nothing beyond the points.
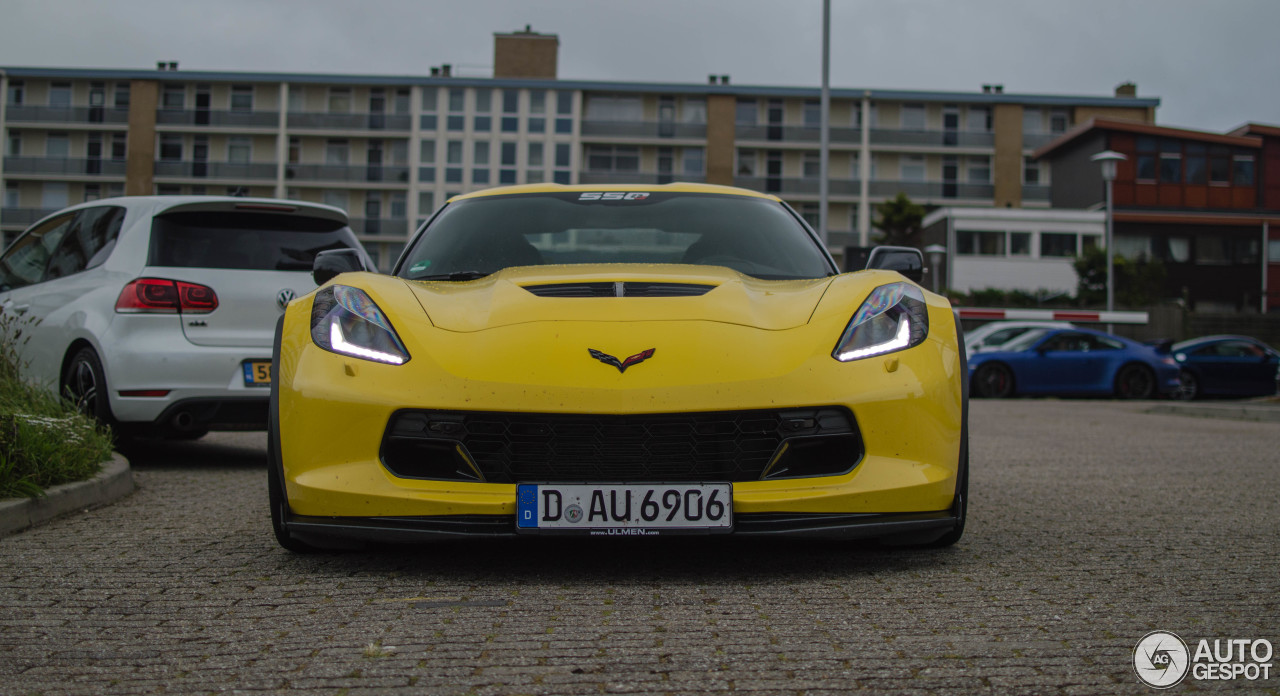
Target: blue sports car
(1076, 362)
(1227, 366)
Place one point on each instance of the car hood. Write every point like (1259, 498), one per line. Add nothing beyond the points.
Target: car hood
(591, 293)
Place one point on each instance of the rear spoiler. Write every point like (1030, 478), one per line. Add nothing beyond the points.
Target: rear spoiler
(1163, 346)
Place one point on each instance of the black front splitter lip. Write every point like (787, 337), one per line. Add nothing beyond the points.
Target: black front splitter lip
(325, 531)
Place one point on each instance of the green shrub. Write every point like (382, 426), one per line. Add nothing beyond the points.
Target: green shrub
(44, 440)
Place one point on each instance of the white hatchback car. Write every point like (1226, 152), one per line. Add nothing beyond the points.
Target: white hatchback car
(158, 313)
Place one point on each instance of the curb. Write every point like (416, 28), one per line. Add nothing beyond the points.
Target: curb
(1242, 412)
(115, 481)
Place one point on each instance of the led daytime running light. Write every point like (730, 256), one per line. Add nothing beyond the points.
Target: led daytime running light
(899, 341)
(340, 344)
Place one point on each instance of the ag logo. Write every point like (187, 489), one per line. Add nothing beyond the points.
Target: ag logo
(613, 196)
(1161, 659)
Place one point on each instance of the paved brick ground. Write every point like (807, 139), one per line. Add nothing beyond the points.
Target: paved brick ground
(1091, 524)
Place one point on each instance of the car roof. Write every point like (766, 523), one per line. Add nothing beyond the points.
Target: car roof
(1214, 339)
(676, 187)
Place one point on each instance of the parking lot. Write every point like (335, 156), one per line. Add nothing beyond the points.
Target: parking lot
(1091, 524)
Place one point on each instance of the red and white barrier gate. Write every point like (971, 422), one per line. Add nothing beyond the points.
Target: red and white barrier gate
(1072, 315)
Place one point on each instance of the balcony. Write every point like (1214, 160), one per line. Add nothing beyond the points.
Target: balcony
(380, 227)
(366, 121)
(932, 190)
(228, 119)
(63, 166)
(796, 134)
(650, 178)
(215, 170)
(797, 186)
(348, 173)
(24, 216)
(65, 115)
(644, 129)
(1039, 194)
(884, 136)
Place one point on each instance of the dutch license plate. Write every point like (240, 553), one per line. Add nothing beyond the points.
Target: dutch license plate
(639, 509)
(257, 373)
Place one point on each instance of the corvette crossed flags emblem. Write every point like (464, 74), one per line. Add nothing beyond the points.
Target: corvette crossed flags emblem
(622, 365)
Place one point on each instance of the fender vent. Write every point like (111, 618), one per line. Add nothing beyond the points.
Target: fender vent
(619, 289)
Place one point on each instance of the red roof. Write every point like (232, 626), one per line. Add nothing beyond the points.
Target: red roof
(1107, 124)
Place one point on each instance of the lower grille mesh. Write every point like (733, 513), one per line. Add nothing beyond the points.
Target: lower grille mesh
(514, 447)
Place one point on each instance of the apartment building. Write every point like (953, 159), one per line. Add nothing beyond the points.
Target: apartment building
(391, 150)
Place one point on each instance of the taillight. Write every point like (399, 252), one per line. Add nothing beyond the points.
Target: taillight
(160, 296)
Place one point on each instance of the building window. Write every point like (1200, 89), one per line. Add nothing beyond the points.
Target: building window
(1242, 172)
(811, 214)
(480, 154)
(239, 150)
(457, 100)
(1219, 165)
(1059, 121)
(426, 205)
(16, 92)
(537, 124)
(484, 101)
(535, 155)
(339, 100)
(122, 95)
(746, 163)
(979, 170)
(1032, 120)
(60, 95)
(694, 160)
(337, 152)
(1170, 166)
(747, 112)
(613, 158)
(811, 165)
(428, 119)
(1273, 251)
(295, 150)
(13, 198)
(427, 152)
(53, 195)
(171, 148)
(15, 145)
(479, 176)
(1030, 171)
(1196, 164)
(1058, 244)
(119, 147)
(242, 98)
(812, 113)
(913, 117)
(980, 243)
(1146, 165)
(911, 168)
(1019, 243)
(613, 108)
(538, 101)
(979, 120)
(453, 152)
(173, 98)
(507, 155)
(562, 155)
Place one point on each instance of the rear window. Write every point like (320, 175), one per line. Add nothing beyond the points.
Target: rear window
(755, 236)
(244, 241)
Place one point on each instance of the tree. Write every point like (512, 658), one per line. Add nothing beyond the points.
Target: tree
(899, 221)
(1137, 283)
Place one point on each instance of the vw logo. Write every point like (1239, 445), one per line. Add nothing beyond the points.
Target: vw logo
(284, 297)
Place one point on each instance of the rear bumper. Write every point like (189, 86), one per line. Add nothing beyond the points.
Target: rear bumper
(325, 531)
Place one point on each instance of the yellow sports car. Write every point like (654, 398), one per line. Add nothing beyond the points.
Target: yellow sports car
(616, 360)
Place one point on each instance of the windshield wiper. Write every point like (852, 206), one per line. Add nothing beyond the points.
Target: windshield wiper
(456, 275)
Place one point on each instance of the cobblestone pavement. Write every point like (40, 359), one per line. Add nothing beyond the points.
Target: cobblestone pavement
(1091, 524)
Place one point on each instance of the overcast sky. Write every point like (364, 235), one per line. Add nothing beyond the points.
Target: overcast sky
(1213, 63)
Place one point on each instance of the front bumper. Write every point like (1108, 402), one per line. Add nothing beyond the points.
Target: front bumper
(330, 531)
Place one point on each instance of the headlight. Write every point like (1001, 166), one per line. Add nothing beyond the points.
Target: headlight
(346, 321)
(894, 317)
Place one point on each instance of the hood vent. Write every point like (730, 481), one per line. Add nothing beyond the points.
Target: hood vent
(619, 289)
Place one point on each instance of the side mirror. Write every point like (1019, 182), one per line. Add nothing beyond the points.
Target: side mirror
(333, 262)
(908, 261)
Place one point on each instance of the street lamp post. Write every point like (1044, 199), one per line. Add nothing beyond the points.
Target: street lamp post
(935, 252)
(1108, 159)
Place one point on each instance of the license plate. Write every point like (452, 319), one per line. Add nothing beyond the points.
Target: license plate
(632, 509)
(257, 373)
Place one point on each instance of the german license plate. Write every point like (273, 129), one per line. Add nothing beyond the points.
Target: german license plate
(257, 373)
(632, 509)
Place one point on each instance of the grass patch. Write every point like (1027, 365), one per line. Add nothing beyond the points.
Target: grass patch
(44, 440)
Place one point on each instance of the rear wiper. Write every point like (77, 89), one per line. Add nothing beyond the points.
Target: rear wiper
(456, 275)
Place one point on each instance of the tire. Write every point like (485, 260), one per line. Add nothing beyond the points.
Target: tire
(1135, 382)
(993, 381)
(84, 382)
(1190, 388)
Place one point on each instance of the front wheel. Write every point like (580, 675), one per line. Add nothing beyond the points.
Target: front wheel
(1189, 386)
(1135, 382)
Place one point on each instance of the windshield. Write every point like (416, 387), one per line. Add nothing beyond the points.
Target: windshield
(477, 236)
(1025, 341)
